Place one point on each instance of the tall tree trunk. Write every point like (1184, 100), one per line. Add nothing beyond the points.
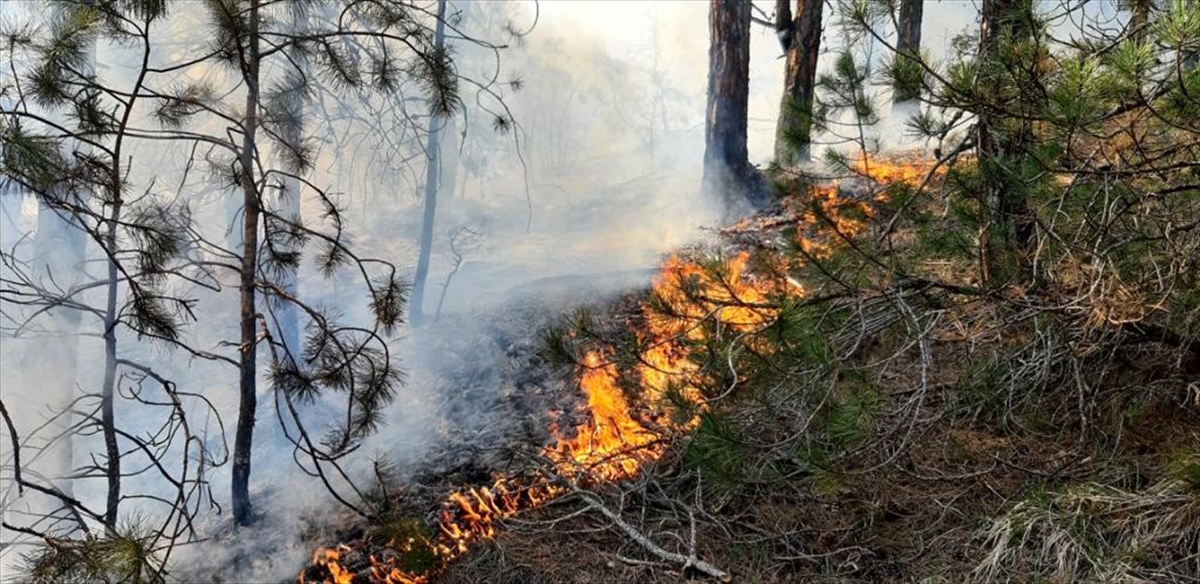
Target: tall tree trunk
(59, 254)
(431, 190)
(793, 132)
(288, 320)
(1010, 228)
(726, 161)
(108, 390)
(906, 84)
(248, 383)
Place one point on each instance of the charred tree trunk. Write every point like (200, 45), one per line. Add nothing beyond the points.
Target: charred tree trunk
(432, 173)
(248, 370)
(1008, 238)
(802, 42)
(906, 82)
(727, 167)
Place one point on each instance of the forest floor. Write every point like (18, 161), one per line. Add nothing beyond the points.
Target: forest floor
(918, 431)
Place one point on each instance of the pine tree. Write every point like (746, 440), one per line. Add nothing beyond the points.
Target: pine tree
(801, 37)
(727, 169)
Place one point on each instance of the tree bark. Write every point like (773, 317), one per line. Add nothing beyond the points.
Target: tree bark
(1139, 17)
(907, 85)
(109, 388)
(727, 167)
(793, 132)
(288, 200)
(248, 386)
(286, 314)
(432, 175)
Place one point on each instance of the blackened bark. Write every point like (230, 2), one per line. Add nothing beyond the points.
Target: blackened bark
(432, 175)
(727, 167)
(907, 84)
(793, 132)
(248, 382)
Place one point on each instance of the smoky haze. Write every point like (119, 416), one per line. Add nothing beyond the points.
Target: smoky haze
(596, 178)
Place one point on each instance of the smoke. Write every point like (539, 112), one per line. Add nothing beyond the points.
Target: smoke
(596, 177)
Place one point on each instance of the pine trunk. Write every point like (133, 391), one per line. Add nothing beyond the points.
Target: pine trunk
(1139, 17)
(248, 386)
(793, 132)
(907, 82)
(432, 175)
(108, 391)
(59, 253)
(726, 161)
(1007, 241)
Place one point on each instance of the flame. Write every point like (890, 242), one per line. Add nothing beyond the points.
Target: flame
(329, 557)
(909, 168)
(605, 448)
(619, 439)
(835, 213)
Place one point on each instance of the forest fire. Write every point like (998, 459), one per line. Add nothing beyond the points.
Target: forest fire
(836, 211)
(436, 292)
(619, 439)
(689, 302)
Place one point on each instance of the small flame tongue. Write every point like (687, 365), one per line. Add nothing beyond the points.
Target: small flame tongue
(610, 447)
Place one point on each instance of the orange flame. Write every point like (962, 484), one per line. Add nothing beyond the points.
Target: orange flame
(843, 215)
(618, 440)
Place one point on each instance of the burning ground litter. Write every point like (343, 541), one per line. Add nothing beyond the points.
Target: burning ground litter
(625, 428)
(615, 442)
(782, 406)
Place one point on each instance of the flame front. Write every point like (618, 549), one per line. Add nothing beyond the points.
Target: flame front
(618, 441)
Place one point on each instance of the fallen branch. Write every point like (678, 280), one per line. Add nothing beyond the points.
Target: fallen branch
(687, 561)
